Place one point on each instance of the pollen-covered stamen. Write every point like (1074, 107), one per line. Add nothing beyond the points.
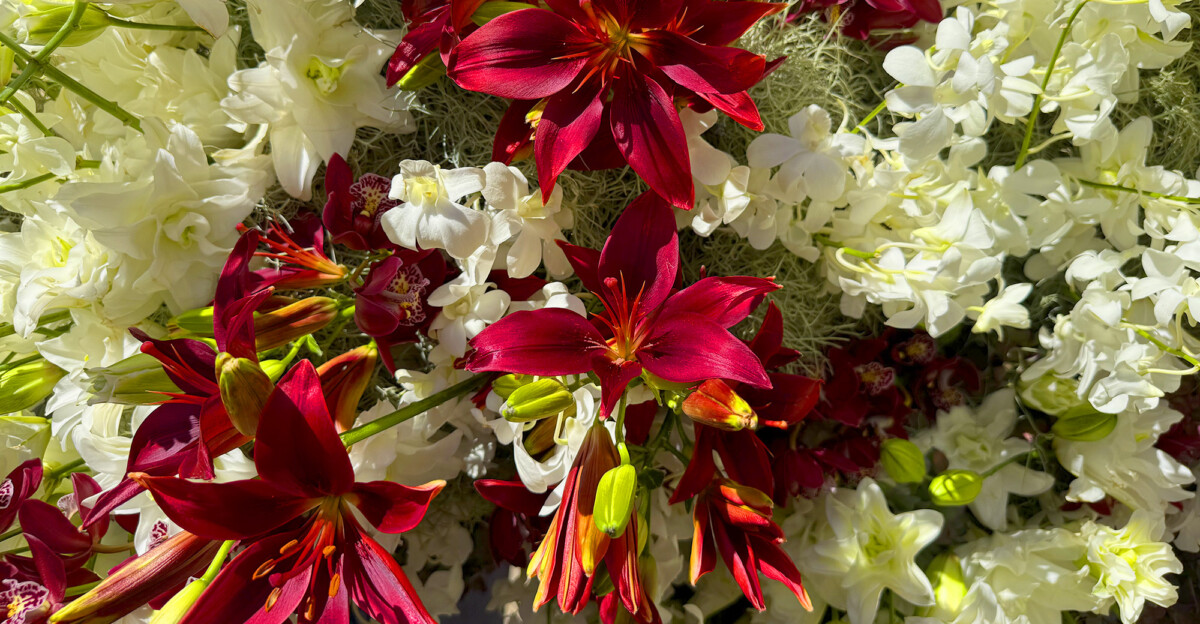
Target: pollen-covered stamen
(311, 551)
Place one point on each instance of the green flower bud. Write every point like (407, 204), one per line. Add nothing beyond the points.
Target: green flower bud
(138, 379)
(540, 399)
(1050, 394)
(197, 322)
(273, 368)
(23, 437)
(504, 386)
(25, 385)
(424, 73)
(1084, 425)
(539, 440)
(489, 11)
(949, 587)
(41, 26)
(244, 390)
(614, 499)
(903, 461)
(179, 605)
(954, 488)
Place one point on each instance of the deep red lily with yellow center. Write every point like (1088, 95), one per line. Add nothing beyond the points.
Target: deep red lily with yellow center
(681, 337)
(306, 551)
(620, 64)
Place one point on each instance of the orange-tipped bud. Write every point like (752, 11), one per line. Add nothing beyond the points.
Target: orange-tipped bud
(244, 390)
(715, 404)
(596, 456)
(344, 379)
(140, 580)
(300, 318)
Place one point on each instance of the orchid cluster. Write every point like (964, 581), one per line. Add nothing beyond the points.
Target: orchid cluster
(259, 364)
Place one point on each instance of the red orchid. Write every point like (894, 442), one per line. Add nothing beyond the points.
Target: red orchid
(566, 561)
(305, 550)
(682, 337)
(619, 64)
(392, 305)
(299, 246)
(354, 208)
(18, 486)
(736, 520)
(32, 593)
(861, 18)
(52, 526)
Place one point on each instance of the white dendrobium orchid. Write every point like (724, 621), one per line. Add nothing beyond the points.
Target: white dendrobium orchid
(530, 225)
(977, 440)
(1003, 310)
(867, 549)
(1129, 565)
(813, 161)
(430, 217)
(320, 82)
(467, 308)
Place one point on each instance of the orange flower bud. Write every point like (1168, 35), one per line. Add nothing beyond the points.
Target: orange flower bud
(300, 318)
(596, 456)
(344, 379)
(715, 404)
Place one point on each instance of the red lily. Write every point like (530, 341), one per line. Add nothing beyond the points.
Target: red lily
(306, 551)
(354, 207)
(681, 337)
(737, 520)
(515, 523)
(565, 563)
(861, 18)
(585, 60)
(434, 26)
(300, 249)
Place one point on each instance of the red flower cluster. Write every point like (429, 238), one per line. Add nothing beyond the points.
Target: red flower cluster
(862, 18)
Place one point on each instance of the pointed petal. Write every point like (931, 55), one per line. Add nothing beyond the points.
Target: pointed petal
(511, 495)
(746, 459)
(189, 363)
(378, 585)
(726, 301)
(550, 341)
(519, 56)
(513, 134)
(776, 564)
(235, 596)
(25, 479)
(647, 131)
(688, 347)
(297, 446)
(585, 262)
(738, 106)
(701, 68)
(741, 561)
(394, 508)
(568, 124)
(704, 555)
(720, 23)
(49, 567)
(614, 377)
(642, 252)
(224, 511)
(700, 469)
(47, 523)
(416, 45)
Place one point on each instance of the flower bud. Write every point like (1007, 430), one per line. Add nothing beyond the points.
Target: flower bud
(1084, 425)
(179, 604)
(1051, 394)
(658, 384)
(424, 73)
(344, 379)
(954, 488)
(300, 318)
(504, 386)
(949, 587)
(139, 379)
(25, 385)
(244, 390)
(614, 499)
(540, 399)
(41, 26)
(273, 368)
(138, 581)
(489, 11)
(539, 440)
(198, 322)
(903, 461)
(715, 404)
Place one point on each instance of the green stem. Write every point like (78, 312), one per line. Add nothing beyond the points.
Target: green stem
(36, 61)
(38, 65)
(362, 432)
(28, 114)
(24, 184)
(63, 470)
(9, 535)
(120, 23)
(621, 419)
(871, 115)
(80, 590)
(994, 469)
(1166, 347)
(1037, 101)
(7, 329)
(1126, 189)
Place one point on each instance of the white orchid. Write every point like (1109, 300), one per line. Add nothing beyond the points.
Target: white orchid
(1129, 565)
(430, 216)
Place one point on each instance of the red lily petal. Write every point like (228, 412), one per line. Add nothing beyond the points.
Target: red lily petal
(519, 56)
(700, 469)
(704, 555)
(746, 459)
(514, 134)
(568, 124)
(225, 511)
(236, 596)
(614, 377)
(568, 8)
(790, 399)
(585, 262)
(49, 567)
(649, 15)
(297, 447)
(416, 45)
(775, 563)
(462, 10)
(741, 561)
(189, 363)
(642, 252)
(550, 341)
(337, 608)
(767, 343)
(738, 106)
(394, 508)
(720, 23)
(647, 131)
(47, 523)
(688, 347)
(378, 585)
(511, 495)
(701, 68)
(724, 300)
(233, 326)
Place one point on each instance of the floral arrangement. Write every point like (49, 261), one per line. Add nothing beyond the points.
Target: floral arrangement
(825, 311)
